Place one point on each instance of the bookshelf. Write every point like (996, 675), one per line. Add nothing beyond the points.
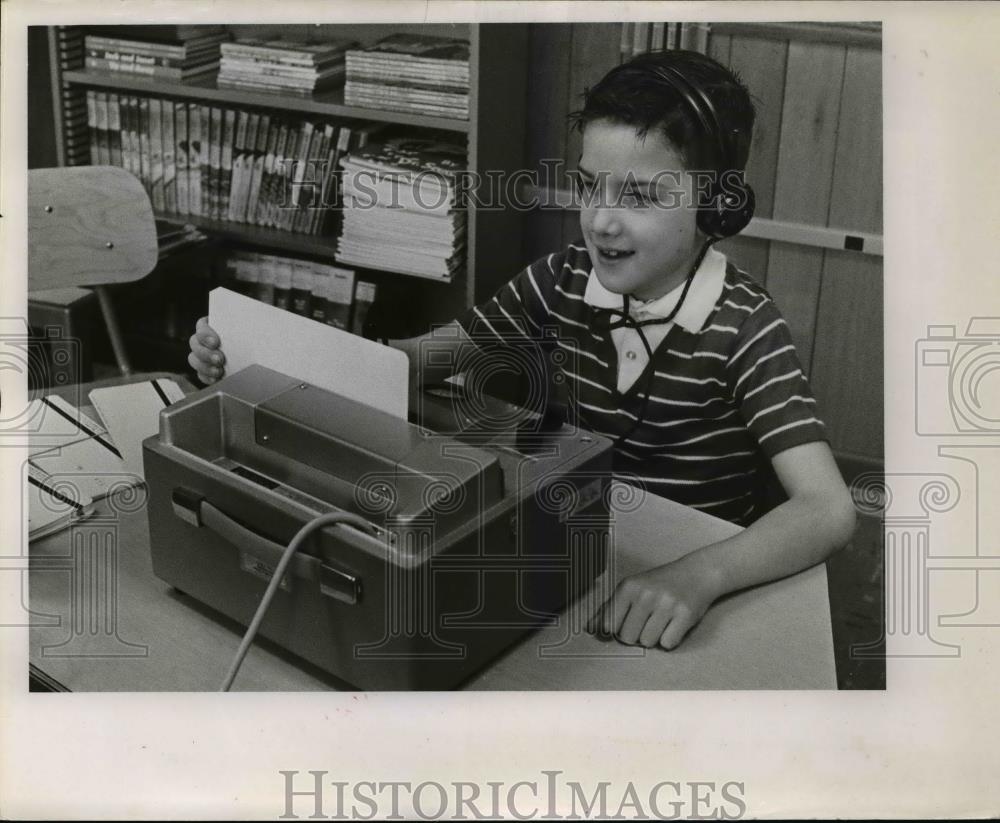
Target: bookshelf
(494, 136)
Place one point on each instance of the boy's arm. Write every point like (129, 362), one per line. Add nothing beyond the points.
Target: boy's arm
(424, 371)
(661, 605)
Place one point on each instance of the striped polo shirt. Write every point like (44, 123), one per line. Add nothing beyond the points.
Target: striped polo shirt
(723, 399)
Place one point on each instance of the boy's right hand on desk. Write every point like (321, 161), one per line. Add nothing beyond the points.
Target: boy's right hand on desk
(205, 357)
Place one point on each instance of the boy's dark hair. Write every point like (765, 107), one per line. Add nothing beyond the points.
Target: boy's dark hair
(637, 93)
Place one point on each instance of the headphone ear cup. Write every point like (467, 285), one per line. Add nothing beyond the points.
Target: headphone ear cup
(729, 212)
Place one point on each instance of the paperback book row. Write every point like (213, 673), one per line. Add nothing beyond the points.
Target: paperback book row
(329, 294)
(416, 73)
(228, 164)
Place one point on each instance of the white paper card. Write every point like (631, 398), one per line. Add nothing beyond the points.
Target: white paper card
(362, 370)
(132, 413)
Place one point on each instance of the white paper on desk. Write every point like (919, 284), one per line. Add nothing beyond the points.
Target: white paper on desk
(362, 370)
(131, 413)
(53, 506)
(54, 422)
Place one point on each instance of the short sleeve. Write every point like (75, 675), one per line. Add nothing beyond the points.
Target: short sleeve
(519, 309)
(770, 388)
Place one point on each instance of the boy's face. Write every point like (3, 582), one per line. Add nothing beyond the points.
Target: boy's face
(636, 215)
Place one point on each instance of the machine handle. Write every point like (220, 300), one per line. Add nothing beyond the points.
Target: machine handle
(197, 511)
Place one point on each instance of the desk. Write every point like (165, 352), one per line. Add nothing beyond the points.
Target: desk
(138, 634)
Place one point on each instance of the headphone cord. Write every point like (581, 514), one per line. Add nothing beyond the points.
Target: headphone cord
(625, 320)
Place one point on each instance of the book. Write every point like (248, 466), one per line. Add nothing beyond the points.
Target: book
(181, 155)
(114, 131)
(264, 131)
(329, 192)
(275, 137)
(296, 174)
(130, 153)
(145, 150)
(169, 160)
(279, 50)
(95, 142)
(156, 152)
(215, 163)
(338, 292)
(364, 296)
(301, 295)
(282, 270)
(246, 136)
(103, 144)
(198, 123)
(226, 161)
(309, 199)
(153, 72)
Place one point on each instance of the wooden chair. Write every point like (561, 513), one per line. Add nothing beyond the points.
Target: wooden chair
(90, 226)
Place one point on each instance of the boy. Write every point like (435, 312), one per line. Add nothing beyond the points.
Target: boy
(678, 357)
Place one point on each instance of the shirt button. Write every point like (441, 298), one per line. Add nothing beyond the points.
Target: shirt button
(630, 355)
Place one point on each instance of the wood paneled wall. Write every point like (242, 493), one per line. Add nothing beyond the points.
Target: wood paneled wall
(816, 158)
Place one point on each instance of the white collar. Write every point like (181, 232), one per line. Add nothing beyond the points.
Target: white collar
(706, 288)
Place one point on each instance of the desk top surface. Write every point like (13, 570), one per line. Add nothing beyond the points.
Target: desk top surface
(142, 635)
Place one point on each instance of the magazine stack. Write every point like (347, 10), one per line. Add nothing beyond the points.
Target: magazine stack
(181, 54)
(413, 73)
(286, 66)
(400, 208)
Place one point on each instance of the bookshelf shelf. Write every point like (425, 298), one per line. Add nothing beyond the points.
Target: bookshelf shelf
(326, 104)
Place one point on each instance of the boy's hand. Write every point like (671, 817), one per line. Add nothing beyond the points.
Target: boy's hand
(660, 606)
(205, 357)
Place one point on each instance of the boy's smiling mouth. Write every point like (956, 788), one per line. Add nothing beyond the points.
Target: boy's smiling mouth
(613, 255)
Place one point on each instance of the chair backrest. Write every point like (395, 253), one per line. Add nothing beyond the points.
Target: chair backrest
(88, 226)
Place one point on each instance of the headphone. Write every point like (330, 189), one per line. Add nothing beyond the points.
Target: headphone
(729, 208)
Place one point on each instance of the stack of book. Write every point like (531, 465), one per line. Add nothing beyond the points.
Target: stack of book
(242, 166)
(329, 294)
(180, 55)
(400, 208)
(414, 73)
(286, 66)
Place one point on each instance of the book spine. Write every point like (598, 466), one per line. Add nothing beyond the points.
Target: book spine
(114, 131)
(145, 152)
(331, 194)
(131, 109)
(215, 164)
(364, 296)
(181, 157)
(103, 147)
(126, 57)
(237, 164)
(206, 149)
(302, 289)
(282, 268)
(265, 281)
(270, 193)
(124, 137)
(298, 173)
(255, 124)
(169, 160)
(194, 158)
(95, 140)
(267, 165)
(156, 151)
(339, 297)
(226, 161)
(281, 200)
(312, 180)
(153, 72)
(257, 170)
